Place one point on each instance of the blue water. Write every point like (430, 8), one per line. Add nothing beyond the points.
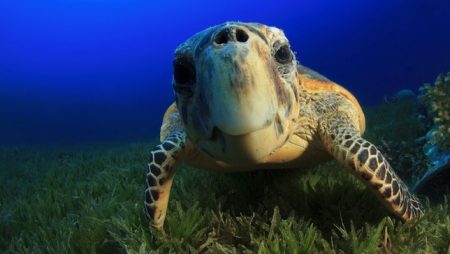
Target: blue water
(79, 71)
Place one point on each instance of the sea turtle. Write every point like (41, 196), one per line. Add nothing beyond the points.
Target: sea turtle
(243, 102)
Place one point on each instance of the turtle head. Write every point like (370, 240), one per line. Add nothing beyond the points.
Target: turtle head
(235, 90)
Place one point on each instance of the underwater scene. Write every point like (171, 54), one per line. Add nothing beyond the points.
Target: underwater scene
(224, 127)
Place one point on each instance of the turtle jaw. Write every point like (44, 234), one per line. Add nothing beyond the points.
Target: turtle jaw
(245, 149)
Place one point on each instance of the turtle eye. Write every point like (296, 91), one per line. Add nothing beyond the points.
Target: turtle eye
(183, 71)
(284, 55)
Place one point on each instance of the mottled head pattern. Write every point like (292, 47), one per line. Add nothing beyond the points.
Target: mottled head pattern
(235, 87)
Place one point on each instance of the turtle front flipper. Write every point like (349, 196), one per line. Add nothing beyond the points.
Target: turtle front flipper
(164, 159)
(364, 160)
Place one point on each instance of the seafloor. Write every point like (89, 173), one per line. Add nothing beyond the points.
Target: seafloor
(90, 199)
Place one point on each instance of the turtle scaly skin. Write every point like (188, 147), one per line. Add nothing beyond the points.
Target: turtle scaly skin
(244, 103)
(367, 163)
(162, 165)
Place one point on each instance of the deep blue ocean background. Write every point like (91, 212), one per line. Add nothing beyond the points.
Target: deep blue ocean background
(80, 71)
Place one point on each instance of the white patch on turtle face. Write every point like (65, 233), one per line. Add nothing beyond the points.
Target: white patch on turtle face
(232, 81)
(238, 86)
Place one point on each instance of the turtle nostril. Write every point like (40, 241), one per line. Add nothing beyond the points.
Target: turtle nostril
(241, 35)
(230, 34)
(222, 37)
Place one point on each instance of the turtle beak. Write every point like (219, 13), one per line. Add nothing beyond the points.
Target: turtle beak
(238, 82)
